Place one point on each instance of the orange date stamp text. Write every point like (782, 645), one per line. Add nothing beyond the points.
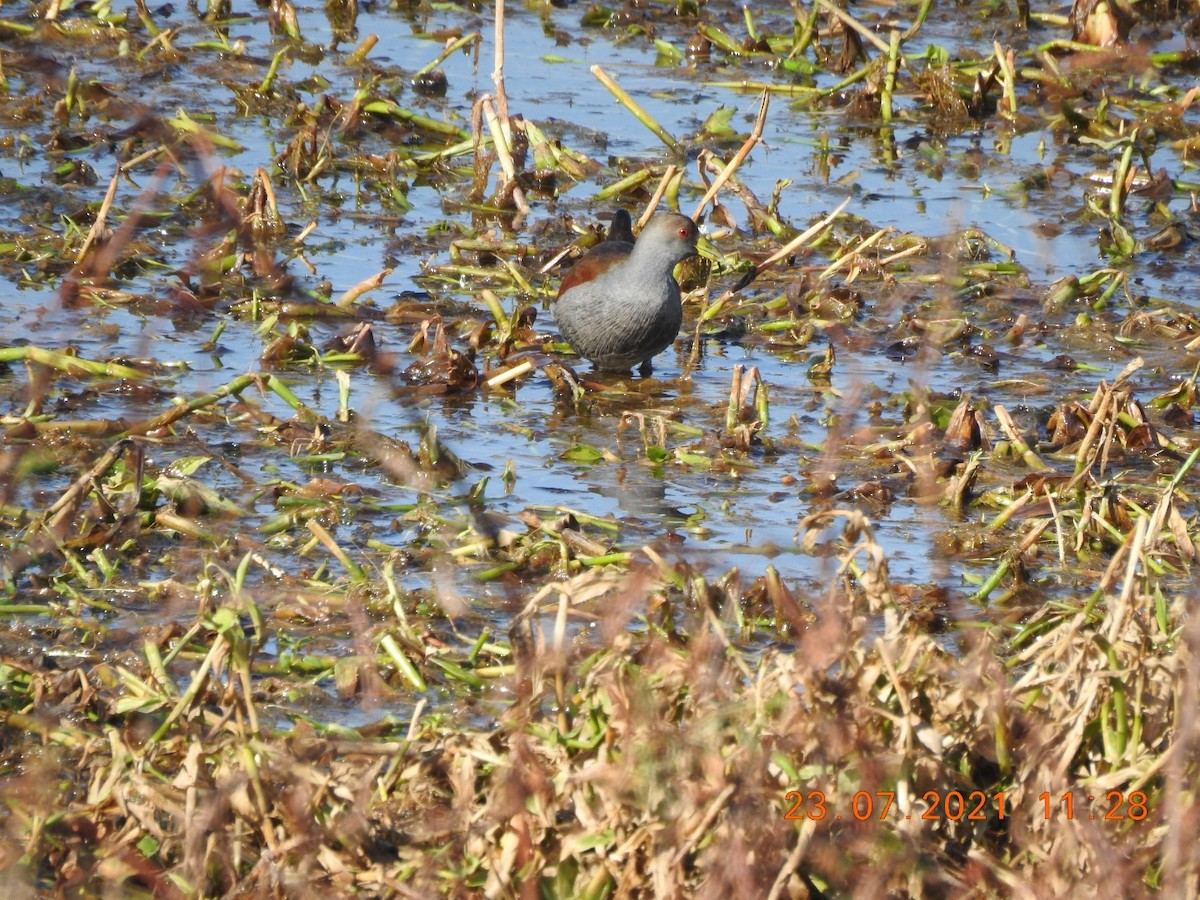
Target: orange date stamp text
(971, 806)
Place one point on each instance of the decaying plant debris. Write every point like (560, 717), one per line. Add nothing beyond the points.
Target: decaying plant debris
(299, 630)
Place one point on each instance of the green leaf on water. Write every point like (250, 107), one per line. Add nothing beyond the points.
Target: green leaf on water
(186, 465)
(717, 124)
(667, 50)
(582, 453)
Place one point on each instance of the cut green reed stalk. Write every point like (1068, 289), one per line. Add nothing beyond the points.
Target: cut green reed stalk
(232, 389)
(67, 364)
(353, 569)
(141, 695)
(733, 406)
(435, 126)
(748, 19)
(1011, 509)
(264, 87)
(762, 402)
(464, 147)
(860, 74)
(343, 408)
(71, 102)
(722, 40)
(889, 78)
(478, 645)
(807, 29)
(638, 112)
(993, 581)
(395, 599)
(518, 278)
(504, 322)
(16, 27)
(549, 155)
(1115, 735)
(402, 662)
(195, 687)
(483, 245)
(185, 124)
(457, 672)
(759, 87)
(284, 393)
(620, 558)
(1069, 46)
(630, 182)
(671, 188)
(356, 56)
(1005, 61)
(451, 48)
(1116, 198)
(918, 20)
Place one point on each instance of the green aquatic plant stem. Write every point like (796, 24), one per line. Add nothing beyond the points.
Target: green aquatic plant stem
(284, 393)
(353, 569)
(501, 131)
(748, 18)
(918, 20)
(889, 78)
(632, 105)
(68, 364)
(1116, 198)
(807, 29)
(16, 27)
(232, 389)
(187, 125)
(195, 686)
(992, 581)
(268, 81)
(721, 40)
(1008, 81)
(425, 123)
(759, 87)
(403, 663)
(453, 47)
(627, 184)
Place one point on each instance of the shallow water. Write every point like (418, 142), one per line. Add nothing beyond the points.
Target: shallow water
(910, 176)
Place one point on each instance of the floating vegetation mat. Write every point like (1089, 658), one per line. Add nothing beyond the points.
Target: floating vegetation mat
(327, 569)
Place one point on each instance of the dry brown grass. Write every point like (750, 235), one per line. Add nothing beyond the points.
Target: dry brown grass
(653, 762)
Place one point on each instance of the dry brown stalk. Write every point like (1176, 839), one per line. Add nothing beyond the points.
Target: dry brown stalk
(738, 158)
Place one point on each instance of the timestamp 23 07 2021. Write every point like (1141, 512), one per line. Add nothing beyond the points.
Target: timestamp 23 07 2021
(968, 806)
